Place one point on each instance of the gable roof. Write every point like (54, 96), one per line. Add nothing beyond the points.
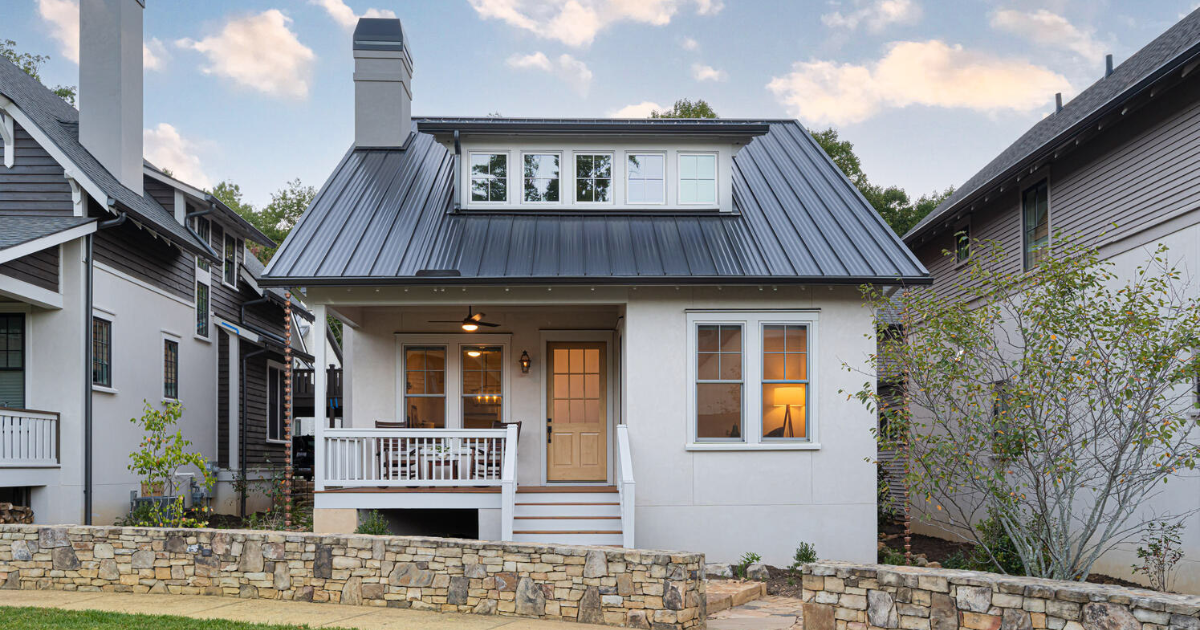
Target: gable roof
(386, 216)
(245, 228)
(1175, 48)
(59, 121)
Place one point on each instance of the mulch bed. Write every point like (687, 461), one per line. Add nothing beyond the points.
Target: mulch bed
(783, 582)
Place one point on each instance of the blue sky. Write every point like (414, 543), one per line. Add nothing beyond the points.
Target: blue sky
(259, 91)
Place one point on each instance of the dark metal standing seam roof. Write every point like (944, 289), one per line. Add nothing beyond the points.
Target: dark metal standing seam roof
(386, 215)
(58, 120)
(1168, 51)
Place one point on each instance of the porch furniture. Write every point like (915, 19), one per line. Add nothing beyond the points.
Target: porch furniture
(397, 461)
(491, 460)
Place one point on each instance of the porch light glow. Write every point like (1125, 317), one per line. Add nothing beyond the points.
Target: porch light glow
(473, 353)
(470, 326)
(524, 362)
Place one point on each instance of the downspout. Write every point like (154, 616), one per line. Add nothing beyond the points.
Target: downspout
(87, 364)
(242, 428)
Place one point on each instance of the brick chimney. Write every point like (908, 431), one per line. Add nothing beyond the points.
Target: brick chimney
(110, 86)
(382, 83)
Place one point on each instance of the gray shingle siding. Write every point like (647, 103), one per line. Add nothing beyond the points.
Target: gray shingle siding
(39, 269)
(35, 183)
(138, 254)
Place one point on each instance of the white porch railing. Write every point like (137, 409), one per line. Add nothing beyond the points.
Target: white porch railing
(625, 485)
(415, 457)
(28, 438)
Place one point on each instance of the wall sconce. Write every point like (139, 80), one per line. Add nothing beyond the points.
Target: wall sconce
(525, 362)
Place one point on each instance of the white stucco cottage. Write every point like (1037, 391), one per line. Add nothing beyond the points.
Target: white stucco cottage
(593, 330)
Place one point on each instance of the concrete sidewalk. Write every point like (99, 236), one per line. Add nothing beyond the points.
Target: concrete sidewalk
(276, 612)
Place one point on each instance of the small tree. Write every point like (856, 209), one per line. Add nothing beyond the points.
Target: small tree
(687, 108)
(1054, 402)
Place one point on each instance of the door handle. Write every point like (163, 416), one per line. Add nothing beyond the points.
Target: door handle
(549, 432)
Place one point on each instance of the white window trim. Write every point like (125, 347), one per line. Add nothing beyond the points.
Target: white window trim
(716, 180)
(666, 176)
(162, 383)
(205, 278)
(20, 307)
(752, 323)
(208, 241)
(562, 198)
(274, 365)
(225, 236)
(508, 178)
(614, 175)
(111, 318)
(454, 344)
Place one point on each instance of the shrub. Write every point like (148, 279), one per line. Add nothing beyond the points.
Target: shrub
(374, 524)
(1159, 553)
(887, 555)
(748, 558)
(805, 554)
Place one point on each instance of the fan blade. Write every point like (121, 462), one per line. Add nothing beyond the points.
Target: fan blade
(477, 316)
(488, 324)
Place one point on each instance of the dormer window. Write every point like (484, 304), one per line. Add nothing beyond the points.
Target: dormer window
(698, 178)
(540, 180)
(593, 177)
(645, 181)
(489, 177)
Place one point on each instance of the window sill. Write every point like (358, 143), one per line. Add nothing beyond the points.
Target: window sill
(199, 337)
(170, 401)
(104, 389)
(761, 446)
(271, 441)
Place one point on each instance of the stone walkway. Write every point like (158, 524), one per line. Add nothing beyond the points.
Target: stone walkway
(772, 612)
(277, 612)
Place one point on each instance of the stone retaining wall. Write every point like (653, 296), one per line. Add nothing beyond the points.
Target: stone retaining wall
(618, 587)
(843, 596)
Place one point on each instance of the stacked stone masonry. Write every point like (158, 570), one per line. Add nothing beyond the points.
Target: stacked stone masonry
(843, 596)
(617, 587)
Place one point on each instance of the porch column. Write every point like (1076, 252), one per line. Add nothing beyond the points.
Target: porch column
(320, 396)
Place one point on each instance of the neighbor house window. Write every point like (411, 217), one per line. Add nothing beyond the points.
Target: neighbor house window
(1036, 223)
(203, 230)
(230, 260)
(593, 177)
(489, 177)
(645, 177)
(425, 387)
(697, 178)
(12, 360)
(101, 352)
(171, 369)
(202, 309)
(719, 382)
(743, 360)
(482, 376)
(540, 178)
(275, 382)
(962, 244)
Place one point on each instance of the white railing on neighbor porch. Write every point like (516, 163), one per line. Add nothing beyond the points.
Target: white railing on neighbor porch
(28, 438)
(416, 457)
(625, 485)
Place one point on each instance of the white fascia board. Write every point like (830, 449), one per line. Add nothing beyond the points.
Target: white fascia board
(70, 169)
(248, 278)
(7, 135)
(190, 191)
(50, 240)
(26, 292)
(237, 330)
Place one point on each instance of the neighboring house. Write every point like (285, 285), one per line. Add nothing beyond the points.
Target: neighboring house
(1119, 167)
(166, 309)
(659, 305)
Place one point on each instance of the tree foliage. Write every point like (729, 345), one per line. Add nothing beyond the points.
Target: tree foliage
(687, 108)
(275, 220)
(32, 65)
(1054, 402)
(891, 202)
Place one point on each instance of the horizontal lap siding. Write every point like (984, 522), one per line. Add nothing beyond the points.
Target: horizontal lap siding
(136, 252)
(258, 450)
(39, 269)
(222, 398)
(162, 193)
(998, 222)
(35, 184)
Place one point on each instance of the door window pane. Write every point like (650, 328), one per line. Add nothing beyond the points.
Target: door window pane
(482, 376)
(698, 179)
(719, 382)
(593, 178)
(425, 387)
(541, 181)
(785, 381)
(489, 177)
(644, 178)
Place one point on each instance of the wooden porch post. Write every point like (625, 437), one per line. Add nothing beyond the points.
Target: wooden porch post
(320, 396)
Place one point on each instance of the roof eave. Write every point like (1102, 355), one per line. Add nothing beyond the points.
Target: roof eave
(248, 230)
(628, 281)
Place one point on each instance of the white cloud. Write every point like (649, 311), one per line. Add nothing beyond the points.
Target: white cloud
(689, 44)
(930, 73)
(345, 16)
(636, 110)
(154, 54)
(570, 70)
(701, 72)
(259, 52)
(165, 148)
(875, 16)
(63, 16)
(1049, 29)
(576, 22)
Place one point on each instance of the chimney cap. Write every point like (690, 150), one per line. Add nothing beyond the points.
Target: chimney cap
(379, 34)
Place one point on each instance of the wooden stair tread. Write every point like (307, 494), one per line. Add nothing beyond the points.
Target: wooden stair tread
(565, 489)
(555, 503)
(566, 531)
(575, 518)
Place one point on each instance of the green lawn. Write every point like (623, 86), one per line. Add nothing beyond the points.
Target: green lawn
(55, 619)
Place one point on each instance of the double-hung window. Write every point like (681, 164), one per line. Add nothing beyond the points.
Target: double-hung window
(751, 378)
(540, 177)
(645, 178)
(489, 177)
(593, 177)
(1035, 223)
(425, 387)
(12, 360)
(171, 369)
(101, 352)
(203, 230)
(482, 376)
(275, 387)
(201, 309)
(697, 178)
(230, 271)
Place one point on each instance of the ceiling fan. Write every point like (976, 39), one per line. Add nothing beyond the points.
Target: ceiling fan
(470, 323)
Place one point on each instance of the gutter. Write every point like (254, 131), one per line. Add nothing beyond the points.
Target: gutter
(87, 362)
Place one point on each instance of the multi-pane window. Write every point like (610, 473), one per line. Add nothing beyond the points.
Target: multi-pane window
(230, 260)
(203, 229)
(489, 177)
(101, 352)
(1035, 221)
(784, 381)
(202, 309)
(425, 387)
(275, 382)
(171, 369)
(962, 244)
(645, 177)
(698, 178)
(593, 177)
(541, 177)
(482, 375)
(12, 360)
(719, 382)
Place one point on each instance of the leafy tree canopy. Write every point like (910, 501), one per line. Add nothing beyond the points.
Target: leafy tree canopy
(687, 108)
(275, 220)
(31, 64)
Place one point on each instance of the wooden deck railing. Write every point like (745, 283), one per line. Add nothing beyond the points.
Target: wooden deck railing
(625, 485)
(28, 438)
(416, 457)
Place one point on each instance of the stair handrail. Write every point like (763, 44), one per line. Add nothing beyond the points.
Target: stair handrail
(508, 483)
(625, 485)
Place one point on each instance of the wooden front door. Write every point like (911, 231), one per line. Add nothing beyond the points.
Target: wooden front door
(577, 406)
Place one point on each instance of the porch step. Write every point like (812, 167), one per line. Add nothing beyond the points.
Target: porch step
(575, 515)
(567, 509)
(566, 523)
